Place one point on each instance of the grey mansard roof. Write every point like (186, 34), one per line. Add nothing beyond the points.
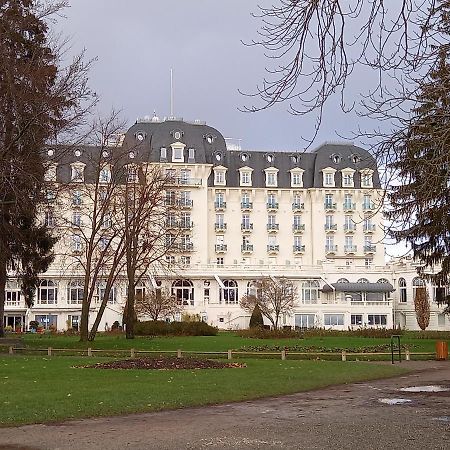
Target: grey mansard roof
(146, 138)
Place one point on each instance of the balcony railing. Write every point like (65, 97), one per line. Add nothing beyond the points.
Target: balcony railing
(186, 224)
(246, 206)
(330, 206)
(350, 248)
(370, 248)
(350, 228)
(298, 227)
(220, 226)
(331, 248)
(179, 181)
(296, 206)
(369, 206)
(185, 246)
(221, 248)
(349, 206)
(271, 248)
(185, 203)
(369, 228)
(272, 205)
(298, 248)
(273, 226)
(330, 227)
(220, 206)
(247, 248)
(246, 226)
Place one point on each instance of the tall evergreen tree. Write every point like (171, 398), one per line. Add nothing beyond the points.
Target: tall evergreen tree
(421, 203)
(35, 101)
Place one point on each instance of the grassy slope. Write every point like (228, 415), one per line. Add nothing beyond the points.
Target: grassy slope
(222, 342)
(39, 390)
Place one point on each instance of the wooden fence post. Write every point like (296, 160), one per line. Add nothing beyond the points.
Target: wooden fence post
(132, 352)
(11, 350)
(283, 354)
(344, 355)
(230, 356)
(178, 353)
(407, 355)
(49, 351)
(89, 351)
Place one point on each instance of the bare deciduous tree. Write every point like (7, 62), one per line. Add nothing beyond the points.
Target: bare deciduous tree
(157, 304)
(274, 297)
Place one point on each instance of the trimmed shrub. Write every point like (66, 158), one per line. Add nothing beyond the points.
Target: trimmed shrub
(262, 333)
(256, 320)
(161, 328)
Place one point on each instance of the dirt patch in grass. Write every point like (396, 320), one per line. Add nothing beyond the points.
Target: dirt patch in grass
(169, 363)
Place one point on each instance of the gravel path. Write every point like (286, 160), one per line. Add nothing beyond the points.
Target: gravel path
(342, 417)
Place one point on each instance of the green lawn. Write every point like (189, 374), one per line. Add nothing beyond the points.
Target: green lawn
(38, 390)
(222, 342)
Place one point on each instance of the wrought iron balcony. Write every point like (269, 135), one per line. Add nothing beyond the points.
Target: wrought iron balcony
(220, 226)
(220, 206)
(298, 248)
(273, 226)
(246, 226)
(297, 206)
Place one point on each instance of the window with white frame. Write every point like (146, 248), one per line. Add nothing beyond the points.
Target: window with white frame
(367, 178)
(356, 319)
(105, 175)
(76, 219)
(185, 176)
(177, 153)
(402, 290)
(77, 172)
(296, 177)
(347, 178)
(12, 293)
(163, 153)
(229, 294)
(101, 292)
(328, 177)
(75, 292)
(76, 198)
(310, 292)
(76, 243)
(417, 283)
(377, 320)
(49, 218)
(219, 176)
(305, 321)
(271, 177)
(47, 293)
(331, 320)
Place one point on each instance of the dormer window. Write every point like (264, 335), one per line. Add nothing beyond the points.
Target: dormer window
(105, 175)
(347, 178)
(219, 175)
(271, 177)
(77, 172)
(245, 176)
(328, 177)
(297, 177)
(163, 154)
(177, 154)
(191, 155)
(367, 178)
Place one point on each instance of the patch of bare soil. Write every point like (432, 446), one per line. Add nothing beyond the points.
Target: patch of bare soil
(169, 363)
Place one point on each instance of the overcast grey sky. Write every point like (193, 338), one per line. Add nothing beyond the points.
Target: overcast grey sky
(137, 43)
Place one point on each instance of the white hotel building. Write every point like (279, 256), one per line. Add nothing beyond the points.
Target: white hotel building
(313, 217)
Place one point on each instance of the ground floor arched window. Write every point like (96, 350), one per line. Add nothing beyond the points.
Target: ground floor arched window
(229, 294)
(183, 290)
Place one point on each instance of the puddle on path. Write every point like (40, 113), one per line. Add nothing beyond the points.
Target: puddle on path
(442, 419)
(431, 388)
(394, 401)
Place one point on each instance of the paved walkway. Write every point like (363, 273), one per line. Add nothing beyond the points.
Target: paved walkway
(341, 417)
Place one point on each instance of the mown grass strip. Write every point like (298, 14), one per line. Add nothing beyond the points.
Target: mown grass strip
(38, 389)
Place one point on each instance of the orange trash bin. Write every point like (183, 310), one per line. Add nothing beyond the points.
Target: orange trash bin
(441, 350)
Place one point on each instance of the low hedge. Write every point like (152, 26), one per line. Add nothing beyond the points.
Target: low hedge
(161, 328)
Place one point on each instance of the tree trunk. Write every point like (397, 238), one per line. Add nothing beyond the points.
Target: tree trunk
(84, 325)
(101, 310)
(2, 291)
(130, 314)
